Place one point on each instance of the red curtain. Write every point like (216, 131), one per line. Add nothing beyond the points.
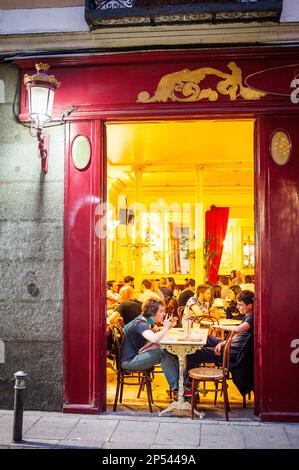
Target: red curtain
(216, 227)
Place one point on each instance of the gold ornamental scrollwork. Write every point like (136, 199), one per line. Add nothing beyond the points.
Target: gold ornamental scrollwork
(179, 349)
(183, 86)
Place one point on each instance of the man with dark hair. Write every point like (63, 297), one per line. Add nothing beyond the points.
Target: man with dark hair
(147, 293)
(187, 292)
(248, 284)
(213, 351)
(129, 281)
(112, 294)
(140, 346)
(163, 287)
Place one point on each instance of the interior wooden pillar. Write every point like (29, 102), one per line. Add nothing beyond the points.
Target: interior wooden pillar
(199, 225)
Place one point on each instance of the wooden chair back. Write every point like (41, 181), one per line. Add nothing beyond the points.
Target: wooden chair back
(171, 306)
(226, 353)
(116, 347)
(206, 321)
(180, 312)
(141, 378)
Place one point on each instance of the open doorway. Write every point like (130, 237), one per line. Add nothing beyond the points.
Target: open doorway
(162, 178)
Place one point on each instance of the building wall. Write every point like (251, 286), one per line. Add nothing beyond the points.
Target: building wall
(31, 207)
(31, 258)
(19, 17)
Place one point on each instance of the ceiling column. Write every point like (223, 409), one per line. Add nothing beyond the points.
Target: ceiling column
(138, 242)
(199, 225)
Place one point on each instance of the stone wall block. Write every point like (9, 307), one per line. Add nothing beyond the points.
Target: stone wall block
(27, 201)
(14, 131)
(42, 361)
(21, 162)
(27, 321)
(10, 74)
(31, 256)
(31, 281)
(31, 240)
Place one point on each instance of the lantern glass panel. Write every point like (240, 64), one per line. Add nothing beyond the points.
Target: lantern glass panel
(41, 104)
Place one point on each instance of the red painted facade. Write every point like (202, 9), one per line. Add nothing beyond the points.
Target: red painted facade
(106, 87)
(277, 226)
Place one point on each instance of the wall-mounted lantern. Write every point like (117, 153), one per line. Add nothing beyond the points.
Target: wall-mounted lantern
(41, 89)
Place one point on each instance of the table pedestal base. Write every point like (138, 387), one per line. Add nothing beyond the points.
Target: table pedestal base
(181, 406)
(180, 350)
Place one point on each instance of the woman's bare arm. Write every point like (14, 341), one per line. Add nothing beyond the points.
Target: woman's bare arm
(156, 337)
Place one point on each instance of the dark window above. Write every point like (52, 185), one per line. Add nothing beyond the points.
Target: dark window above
(105, 13)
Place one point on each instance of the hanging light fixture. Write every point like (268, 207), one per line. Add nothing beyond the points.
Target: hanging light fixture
(41, 89)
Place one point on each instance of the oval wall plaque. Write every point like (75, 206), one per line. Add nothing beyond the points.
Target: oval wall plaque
(81, 152)
(280, 147)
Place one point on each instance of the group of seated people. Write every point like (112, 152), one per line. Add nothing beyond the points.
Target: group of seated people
(218, 300)
(123, 304)
(144, 321)
(140, 344)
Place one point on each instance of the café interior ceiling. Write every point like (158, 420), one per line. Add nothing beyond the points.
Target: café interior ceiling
(169, 152)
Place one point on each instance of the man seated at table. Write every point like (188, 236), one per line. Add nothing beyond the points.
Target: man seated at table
(147, 293)
(213, 351)
(163, 287)
(129, 281)
(199, 304)
(112, 295)
(189, 290)
(129, 308)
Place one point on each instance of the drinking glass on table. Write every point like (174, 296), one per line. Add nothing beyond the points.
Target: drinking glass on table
(186, 326)
(196, 327)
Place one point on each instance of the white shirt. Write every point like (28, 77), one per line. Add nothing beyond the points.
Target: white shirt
(218, 302)
(112, 298)
(249, 286)
(148, 294)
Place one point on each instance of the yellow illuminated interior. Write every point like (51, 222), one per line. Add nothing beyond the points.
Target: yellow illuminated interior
(179, 162)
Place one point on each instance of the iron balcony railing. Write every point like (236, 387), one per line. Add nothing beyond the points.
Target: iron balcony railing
(105, 13)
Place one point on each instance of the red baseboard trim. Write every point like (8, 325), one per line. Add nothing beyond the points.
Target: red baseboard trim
(80, 409)
(280, 417)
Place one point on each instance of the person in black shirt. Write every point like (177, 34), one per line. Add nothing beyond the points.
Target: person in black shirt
(129, 307)
(140, 346)
(213, 351)
(163, 287)
(187, 292)
(231, 309)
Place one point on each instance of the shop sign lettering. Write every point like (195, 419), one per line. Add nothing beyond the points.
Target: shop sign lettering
(295, 353)
(295, 93)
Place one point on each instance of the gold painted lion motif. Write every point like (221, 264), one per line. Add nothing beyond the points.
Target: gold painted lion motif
(183, 86)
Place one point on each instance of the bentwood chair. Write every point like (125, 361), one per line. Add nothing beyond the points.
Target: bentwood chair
(138, 378)
(207, 321)
(180, 312)
(216, 376)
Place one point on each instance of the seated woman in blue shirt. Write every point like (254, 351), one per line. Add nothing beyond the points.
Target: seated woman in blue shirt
(140, 346)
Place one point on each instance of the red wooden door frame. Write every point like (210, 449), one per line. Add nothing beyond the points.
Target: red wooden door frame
(277, 273)
(97, 371)
(84, 325)
(94, 395)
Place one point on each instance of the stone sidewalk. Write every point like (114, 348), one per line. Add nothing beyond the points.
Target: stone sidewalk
(144, 431)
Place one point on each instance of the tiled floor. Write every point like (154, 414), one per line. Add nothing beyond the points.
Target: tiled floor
(161, 399)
